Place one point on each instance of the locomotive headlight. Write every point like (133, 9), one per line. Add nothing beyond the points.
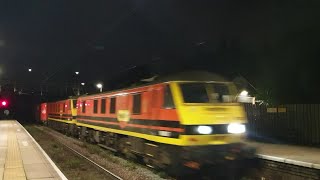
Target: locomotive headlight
(204, 129)
(236, 128)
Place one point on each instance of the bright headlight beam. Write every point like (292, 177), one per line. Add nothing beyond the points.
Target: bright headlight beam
(235, 128)
(204, 129)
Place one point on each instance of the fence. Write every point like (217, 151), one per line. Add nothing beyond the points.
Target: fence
(292, 123)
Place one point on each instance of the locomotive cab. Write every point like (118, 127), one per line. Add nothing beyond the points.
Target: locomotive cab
(208, 112)
(214, 123)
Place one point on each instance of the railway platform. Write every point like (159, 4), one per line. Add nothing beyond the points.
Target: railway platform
(21, 157)
(308, 157)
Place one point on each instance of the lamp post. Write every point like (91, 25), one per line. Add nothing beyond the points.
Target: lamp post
(77, 82)
(99, 86)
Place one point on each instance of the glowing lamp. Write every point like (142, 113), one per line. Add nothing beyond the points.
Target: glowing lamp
(204, 129)
(236, 128)
(244, 93)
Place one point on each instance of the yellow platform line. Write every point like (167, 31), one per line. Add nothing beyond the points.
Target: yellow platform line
(13, 169)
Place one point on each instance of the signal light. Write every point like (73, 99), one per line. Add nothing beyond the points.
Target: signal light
(3, 103)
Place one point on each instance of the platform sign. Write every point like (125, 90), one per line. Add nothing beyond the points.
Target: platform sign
(272, 110)
(282, 110)
(276, 110)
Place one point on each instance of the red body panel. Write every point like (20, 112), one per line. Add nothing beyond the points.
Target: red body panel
(60, 110)
(43, 112)
(152, 117)
(151, 104)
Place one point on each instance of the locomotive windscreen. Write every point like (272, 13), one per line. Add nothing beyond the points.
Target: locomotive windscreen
(204, 92)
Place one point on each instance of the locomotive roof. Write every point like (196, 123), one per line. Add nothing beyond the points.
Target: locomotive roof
(193, 76)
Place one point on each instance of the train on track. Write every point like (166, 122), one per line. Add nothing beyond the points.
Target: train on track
(173, 125)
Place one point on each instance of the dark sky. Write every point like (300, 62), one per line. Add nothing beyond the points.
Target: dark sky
(274, 44)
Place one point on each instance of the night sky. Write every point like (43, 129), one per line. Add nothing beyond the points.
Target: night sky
(273, 44)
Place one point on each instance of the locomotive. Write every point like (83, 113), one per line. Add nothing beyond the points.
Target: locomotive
(173, 125)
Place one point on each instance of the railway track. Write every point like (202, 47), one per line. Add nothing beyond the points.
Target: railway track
(104, 170)
(108, 173)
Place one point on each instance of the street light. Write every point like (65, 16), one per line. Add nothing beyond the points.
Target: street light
(82, 84)
(77, 72)
(29, 69)
(99, 86)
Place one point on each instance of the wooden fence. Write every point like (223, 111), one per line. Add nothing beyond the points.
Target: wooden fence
(292, 123)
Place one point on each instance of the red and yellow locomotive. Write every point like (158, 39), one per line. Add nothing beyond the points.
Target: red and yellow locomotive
(167, 124)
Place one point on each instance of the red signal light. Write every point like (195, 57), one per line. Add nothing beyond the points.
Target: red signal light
(3, 103)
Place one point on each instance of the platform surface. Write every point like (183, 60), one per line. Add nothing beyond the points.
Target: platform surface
(290, 154)
(21, 157)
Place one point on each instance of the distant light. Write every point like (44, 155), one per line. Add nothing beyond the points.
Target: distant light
(77, 72)
(4, 103)
(83, 84)
(244, 93)
(99, 85)
(29, 69)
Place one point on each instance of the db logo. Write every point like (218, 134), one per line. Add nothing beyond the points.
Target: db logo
(123, 117)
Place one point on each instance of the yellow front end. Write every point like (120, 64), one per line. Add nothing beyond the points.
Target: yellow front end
(208, 123)
(73, 108)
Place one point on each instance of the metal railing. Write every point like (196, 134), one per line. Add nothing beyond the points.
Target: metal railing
(291, 123)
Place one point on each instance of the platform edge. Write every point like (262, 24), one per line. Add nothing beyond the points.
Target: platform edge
(62, 176)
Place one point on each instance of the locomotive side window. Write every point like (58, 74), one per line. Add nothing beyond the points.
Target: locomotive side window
(112, 105)
(194, 93)
(168, 100)
(103, 106)
(95, 106)
(220, 90)
(83, 106)
(136, 104)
